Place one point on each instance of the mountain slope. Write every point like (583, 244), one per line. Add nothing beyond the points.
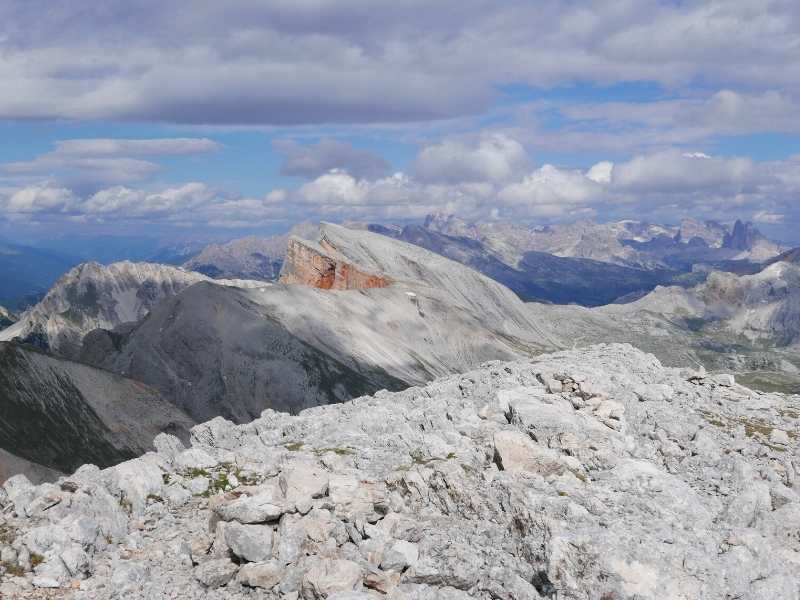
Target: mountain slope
(592, 474)
(60, 414)
(214, 351)
(750, 243)
(217, 350)
(91, 296)
(761, 308)
(604, 242)
(543, 277)
(247, 258)
(745, 323)
(625, 243)
(11, 465)
(791, 256)
(6, 317)
(250, 257)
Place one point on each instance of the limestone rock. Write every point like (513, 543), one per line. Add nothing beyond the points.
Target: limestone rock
(320, 265)
(262, 575)
(479, 486)
(252, 543)
(215, 573)
(514, 452)
(325, 577)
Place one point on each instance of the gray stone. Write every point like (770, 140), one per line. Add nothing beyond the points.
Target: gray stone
(252, 543)
(266, 504)
(194, 458)
(197, 486)
(399, 555)
(168, 445)
(216, 572)
(263, 575)
(612, 488)
(515, 452)
(655, 392)
(324, 577)
(302, 482)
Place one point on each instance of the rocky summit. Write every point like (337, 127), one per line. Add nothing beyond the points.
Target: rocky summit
(590, 474)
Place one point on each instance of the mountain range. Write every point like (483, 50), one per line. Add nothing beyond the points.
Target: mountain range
(584, 263)
(404, 410)
(92, 295)
(357, 309)
(397, 316)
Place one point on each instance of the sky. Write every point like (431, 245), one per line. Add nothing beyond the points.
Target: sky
(179, 119)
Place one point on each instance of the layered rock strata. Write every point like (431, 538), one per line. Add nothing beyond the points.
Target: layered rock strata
(319, 265)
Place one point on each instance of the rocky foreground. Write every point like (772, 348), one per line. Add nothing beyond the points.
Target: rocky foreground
(586, 474)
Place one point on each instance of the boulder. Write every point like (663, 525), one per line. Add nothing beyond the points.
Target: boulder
(399, 555)
(265, 504)
(252, 543)
(515, 452)
(264, 575)
(324, 577)
(216, 572)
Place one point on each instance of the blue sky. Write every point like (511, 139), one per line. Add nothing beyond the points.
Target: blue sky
(249, 117)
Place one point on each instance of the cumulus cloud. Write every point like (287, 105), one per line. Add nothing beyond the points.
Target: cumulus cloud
(601, 172)
(492, 157)
(676, 172)
(310, 161)
(138, 203)
(658, 185)
(551, 192)
(39, 198)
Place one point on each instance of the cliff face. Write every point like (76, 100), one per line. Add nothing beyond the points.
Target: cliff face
(317, 265)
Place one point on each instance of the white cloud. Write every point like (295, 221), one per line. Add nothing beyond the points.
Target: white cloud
(636, 126)
(601, 172)
(660, 185)
(313, 160)
(492, 157)
(141, 147)
(674, 172)
(137, 203)
(39, 198)
(550, 192)
(763, 216)
(107, 161)
(353, 61)
(336, 187)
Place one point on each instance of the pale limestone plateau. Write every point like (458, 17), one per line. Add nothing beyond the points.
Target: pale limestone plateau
(586, 474)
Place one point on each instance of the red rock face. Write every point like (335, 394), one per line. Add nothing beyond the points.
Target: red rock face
(319, 267)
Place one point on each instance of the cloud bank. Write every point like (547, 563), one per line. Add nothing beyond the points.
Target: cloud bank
(355, 61)
(446, 176)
